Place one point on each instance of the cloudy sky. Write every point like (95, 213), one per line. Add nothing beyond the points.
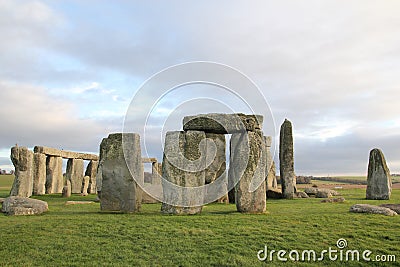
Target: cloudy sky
(69, 70)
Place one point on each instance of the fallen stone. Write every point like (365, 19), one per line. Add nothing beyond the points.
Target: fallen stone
(366, 208)
(311, 191)
(394, 207)
(329, 191)
(333, 200)
(24, 206)
(300, 194)
(22, 158)
(79, 202)
(223, 123)
(323, 194)
(379, 181)
(274, 194)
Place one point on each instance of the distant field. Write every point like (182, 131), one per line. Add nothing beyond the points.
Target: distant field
(347, 180)
(6, 182)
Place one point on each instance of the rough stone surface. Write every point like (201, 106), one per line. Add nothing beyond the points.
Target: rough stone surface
(323, 194)
(271, 182)
(223, 123)
(218, 165)
(248, 197)
(286, 160)
(91, 171)
(300, 194)
(329, 191)
(379, 181)
(24, 206)
(99, 177)
(186, 144)
(119, 190)
(22, 159)
(39, 174)
(366, 208)
(394, 207)
(66, 192)
(64, 154)
(311, 191)
(54, 175)
(85, 186)
(75, 175)
(78, 202)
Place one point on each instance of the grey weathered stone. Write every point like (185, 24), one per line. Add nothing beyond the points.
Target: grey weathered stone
(223, 123)
(271, 182)
(366, 208)
(119, 189)
(249, 170)
(218, 165)
(39, 174)
(274, 194)
(66, 192)
(329, 191)
(75, 174)
(179, 147)
(379, 180)
(54, 175)
(323, 194)
(23, 206)
(286, 160)
(85, 185)
(99, 177)
(91, 171)
(311, 190)
(394, 207)
(300, 194)
(64, 154)
(22, 159)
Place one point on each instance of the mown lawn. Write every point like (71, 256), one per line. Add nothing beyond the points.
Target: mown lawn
(81, 235)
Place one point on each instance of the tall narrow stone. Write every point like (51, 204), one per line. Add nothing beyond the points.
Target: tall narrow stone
(85, 185)
(22, 159)
(91, 171)
(75, 174)
(248, 160)
(119, 189)
(271, 182)
(155, 173)
(183, 166)
(39, 174)
(379, 180)
(286, 160)
(54, 175)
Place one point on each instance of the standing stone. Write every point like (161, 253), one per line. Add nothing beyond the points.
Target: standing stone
(270, 171)
(119, 189)
(75, 174)
(180, 147)
(66, 192)
(155, 173)
(250, 196)
(22, 159)
(39, 174)
(286, 161)
(54, 175)
(99, 174)
(272, 183)
(85, 186)
(91, 171)
(379, 180)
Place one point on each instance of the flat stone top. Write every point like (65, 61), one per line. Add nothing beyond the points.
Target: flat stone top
(149, 160)
(221, 123)
(64, 154)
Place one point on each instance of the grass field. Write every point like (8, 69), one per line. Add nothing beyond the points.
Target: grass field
(81, 235)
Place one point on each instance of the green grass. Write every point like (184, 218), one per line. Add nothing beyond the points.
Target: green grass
(82, 235)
